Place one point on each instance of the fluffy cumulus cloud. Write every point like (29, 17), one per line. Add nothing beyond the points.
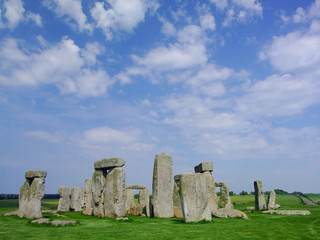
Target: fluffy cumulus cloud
(114, 15)
(14, 12)
(71, 10)
(61, 64)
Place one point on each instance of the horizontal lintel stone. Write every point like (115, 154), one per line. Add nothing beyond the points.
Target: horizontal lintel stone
(109, 163)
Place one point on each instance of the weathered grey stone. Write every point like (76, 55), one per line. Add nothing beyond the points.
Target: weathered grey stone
(64, 201)
(272, 200)
(162, 187)
(194, 196)
(62, 223)
(129, 197)
(76, 199)
(177, 212)
(15, 213)
(260, 202)
(30, 195)
(109, 163)
(135, 187)
(204, 167)
(225, 200)
(41, 221)
(98, 181)
(122, 219)
(220, 184)
(276, 206)
(87, 197)
(114, 193)
(287, 212)
(176, 196)
(213, 198)
(250, 208)
(229, 213)
(36, 174)
(144, 200)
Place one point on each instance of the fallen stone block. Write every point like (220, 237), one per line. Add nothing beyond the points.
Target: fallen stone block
(229, 213)
(41, 221)
(62, 223)
(288, 212)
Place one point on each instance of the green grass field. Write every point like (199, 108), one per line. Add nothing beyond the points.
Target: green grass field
(261, 226)
(314, 197)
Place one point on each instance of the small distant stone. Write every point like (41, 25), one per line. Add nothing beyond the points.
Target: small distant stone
(204, 167)
(34, 174)
(62, 223)
(109, 163)
(250, 208)
(41, 221)
(49, 211)
(15, 213)
(288, 212)
(122, 219)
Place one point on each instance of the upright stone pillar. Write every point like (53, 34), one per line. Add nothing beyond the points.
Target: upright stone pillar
(114, 193)
(98, 181)
(162, 187)
(76, 199)
(260, 202)
(144, 200)
(272, 200)
(130, 204)
(225, 200)
(64, 201)
(31, 193)
(87, 197)
(194, 196)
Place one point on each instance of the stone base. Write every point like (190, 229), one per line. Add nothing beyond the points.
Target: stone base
(177, 212)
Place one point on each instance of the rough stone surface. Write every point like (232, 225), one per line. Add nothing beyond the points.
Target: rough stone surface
(204, 167)
(272, 200)
(177, 212)
(41, 221)
(194, 196)
(87, 198)
(144, 200)
(225, 200)
(109, 163)
(15, 213)
(114, 193)
(260, 202)
(98, 181)
(36, 174)
(229, 213)
(64, 201)
(76, 199)
(135, 187)
(30, 195)
(176, 196)
(122, 219)
(213, 198)
(62, 223)
(287, 212)
(130, 203)
(220, 184)
(250, 208)
(162, 187)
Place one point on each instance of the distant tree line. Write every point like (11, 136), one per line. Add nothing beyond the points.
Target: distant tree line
(16, 196)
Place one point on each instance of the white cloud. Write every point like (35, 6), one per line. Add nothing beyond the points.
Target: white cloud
(50, 137)
(220, 3)
(62, 65)
(122, 15)
(300, 15)
(91, 52)
(314, 11)
(167, 28)
(36, 18)
(72, 10)
(252, 5)
(207, 22)
(14, 12)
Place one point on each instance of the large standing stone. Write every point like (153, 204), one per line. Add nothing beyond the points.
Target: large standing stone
(31, 193)
(211, 188)
(225, 200)
(130, 205)
(76, 199)
(64, 201)
(114, 193)
(194, 196)
(144, 200)
(87, 197)
(272, 200)
(98, 181)
(162, 187)
(260, 202)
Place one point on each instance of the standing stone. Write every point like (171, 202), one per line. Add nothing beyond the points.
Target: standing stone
(225, 200)
(272, 200)
(162, 187)
(64, 201)
(76, 199)
(130, 205)
(211, 188)
(87, 197)
(31, 193)
(98, 181)
(194, 196)
(260, 202)
(144, 200)
(177, 209)
(114, 193)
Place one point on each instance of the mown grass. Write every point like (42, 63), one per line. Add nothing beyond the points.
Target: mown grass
(261, 226)
(314, 197)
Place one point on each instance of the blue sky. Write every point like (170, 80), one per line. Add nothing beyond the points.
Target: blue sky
(235, 82)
